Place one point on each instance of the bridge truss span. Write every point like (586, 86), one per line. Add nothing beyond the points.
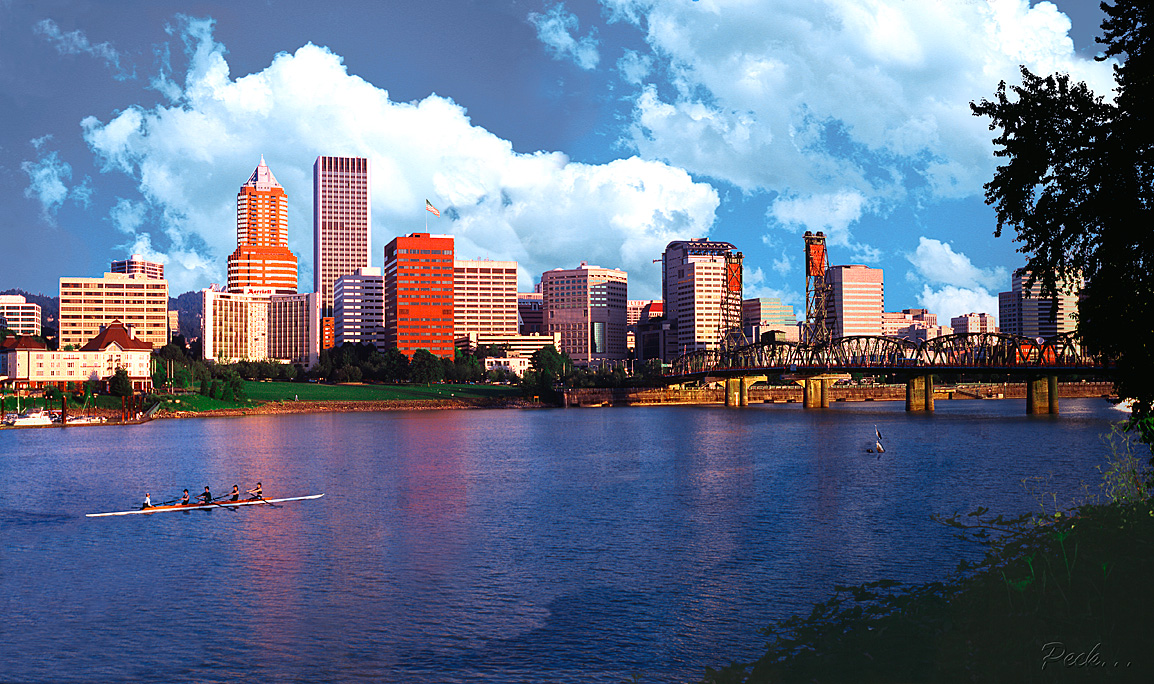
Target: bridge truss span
(996, 352)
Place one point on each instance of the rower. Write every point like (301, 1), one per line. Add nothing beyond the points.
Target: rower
(235, 495)
(147, 501)
(257, 492)
(207, 496)
(184, 499)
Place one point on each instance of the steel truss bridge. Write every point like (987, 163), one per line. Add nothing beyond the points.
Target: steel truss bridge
(972, 352)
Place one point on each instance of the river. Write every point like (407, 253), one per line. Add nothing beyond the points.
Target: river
(579, 545)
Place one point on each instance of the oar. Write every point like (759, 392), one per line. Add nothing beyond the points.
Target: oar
(264, 500)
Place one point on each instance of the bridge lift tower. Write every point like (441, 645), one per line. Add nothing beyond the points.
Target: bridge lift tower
(731, 328)
(816, 331)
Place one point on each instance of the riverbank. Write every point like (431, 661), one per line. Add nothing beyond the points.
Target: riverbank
(1066, 599)
(273, 408)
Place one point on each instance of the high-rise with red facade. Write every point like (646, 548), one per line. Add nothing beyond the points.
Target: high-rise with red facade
(341, 212)
(419, 294)
(262, 258)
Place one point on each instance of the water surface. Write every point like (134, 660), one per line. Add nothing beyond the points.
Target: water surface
(578, 545)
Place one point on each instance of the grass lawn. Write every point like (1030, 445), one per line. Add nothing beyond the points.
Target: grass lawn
(310, 391)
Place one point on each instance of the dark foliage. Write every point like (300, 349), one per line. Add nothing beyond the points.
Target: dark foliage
(1077, 185)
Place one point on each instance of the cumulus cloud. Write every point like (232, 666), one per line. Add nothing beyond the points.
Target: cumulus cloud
(937, 262)
(870, 98)
(189, 159)
(634, 66)
(755, 284)
(556, 29)
(830, 213)
(951, 284)
(949, 302)
(49, 178)
(76, 43)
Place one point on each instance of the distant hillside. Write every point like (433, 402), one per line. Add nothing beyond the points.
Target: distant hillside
(189, 305)
(49, 306)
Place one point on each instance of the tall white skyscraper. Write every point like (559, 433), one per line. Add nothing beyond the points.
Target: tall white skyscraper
(341, 222)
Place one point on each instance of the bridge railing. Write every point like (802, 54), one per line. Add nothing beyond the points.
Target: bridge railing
(969, 350)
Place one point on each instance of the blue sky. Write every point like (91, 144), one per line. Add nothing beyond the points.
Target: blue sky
(546, 132)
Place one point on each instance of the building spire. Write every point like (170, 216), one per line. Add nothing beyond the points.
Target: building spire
(262, 178)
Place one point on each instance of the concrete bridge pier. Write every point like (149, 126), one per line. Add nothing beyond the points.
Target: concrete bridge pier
(815, 393)
(1042, 395)
(920, 393)
(737, 389)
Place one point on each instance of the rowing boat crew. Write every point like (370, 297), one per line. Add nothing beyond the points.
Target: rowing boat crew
(255, 494)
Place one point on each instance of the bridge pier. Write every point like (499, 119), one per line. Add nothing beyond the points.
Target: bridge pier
(1042, 395)
(815, 393)
(920, 393)
(733, 391)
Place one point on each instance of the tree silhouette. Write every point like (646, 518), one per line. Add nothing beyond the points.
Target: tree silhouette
(1077, 186)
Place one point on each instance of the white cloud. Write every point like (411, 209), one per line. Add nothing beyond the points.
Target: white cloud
(634, 66)
(799, 97)
(938, 263)
(76, 42)
(556, 29)
(950, 301)
(755, 284)
(48, 181)
(830, 213)
(190, 158)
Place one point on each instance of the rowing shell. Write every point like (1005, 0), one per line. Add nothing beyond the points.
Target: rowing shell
(224, 504)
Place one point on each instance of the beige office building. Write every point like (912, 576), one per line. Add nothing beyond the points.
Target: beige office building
(19, 315)
(136, 300)
(974, 323)
(260, 326)
(484, 297)
(701, 285)
(137, 264)
(1023, 311)
(856, 300)
(586, 306)
(342, 209)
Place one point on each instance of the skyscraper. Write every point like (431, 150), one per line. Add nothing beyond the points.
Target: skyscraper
(586, 306)
(1023, 311)
(262, 259)
(359, 308)
(485, 297)
(419, 294)
(856, 300)
(701, 291)
(341, 213)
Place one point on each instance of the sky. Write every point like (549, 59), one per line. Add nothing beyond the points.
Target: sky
(550, 133)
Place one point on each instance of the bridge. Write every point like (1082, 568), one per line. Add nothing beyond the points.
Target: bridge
(1038, 361)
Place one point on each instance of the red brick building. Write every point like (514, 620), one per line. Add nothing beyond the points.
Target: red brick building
(419, 294)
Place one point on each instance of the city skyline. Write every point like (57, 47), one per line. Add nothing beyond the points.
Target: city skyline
(547, 133)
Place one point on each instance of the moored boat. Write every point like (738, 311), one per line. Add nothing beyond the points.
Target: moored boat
(30, 418)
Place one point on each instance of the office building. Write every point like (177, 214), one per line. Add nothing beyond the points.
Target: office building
(485, 297)
(973, 323)
(419, 294)
(530, 318)
(638, 311)
(19, 315)
(701, 285)
(260, 326)
(342, 209)
(136, 264)
(855, 301)
(514, 345)
(359, 308)
(1023, 311)
(262, 258)
(586, 306)
(136, 300)
(764, 315)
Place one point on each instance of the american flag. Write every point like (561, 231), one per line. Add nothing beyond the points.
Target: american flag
(429, 206)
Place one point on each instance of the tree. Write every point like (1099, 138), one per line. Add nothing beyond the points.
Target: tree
(1077, 186)
(119, 385)
(425, 367)
(394, 366)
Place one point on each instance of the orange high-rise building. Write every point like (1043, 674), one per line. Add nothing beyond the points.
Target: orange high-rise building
(262, 258)
(419, 294)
